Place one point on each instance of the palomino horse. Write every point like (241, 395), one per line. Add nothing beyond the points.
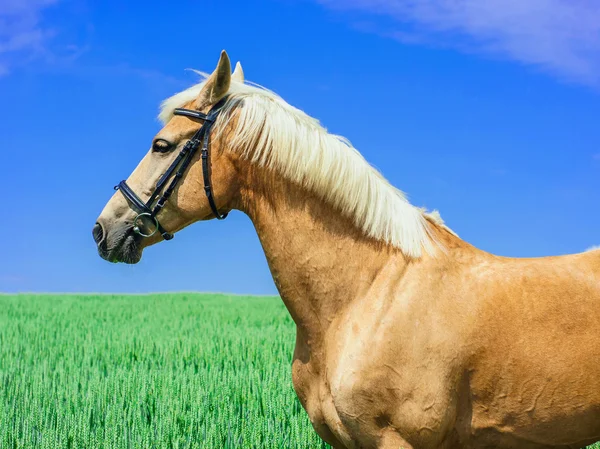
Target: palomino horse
(407, 336)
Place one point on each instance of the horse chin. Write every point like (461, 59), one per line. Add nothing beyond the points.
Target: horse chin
(126, 249)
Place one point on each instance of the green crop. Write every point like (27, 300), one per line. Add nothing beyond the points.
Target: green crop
(148, 371)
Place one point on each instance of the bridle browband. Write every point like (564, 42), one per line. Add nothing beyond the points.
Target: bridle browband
(181, 163)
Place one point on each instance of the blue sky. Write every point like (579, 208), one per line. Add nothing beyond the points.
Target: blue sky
(488, 113)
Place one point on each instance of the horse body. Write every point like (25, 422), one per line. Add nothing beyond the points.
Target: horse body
(407, 336)
(493, 352)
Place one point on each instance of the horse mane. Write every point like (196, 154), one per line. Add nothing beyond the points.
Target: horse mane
(272, 133)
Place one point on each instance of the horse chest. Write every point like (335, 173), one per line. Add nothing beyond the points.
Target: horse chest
(314, 394)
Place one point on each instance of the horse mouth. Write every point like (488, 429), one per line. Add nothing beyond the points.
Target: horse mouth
(124, 248)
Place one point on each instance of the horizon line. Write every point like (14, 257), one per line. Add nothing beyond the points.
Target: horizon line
(136, 294)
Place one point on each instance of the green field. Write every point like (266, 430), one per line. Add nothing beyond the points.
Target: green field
(156, 371)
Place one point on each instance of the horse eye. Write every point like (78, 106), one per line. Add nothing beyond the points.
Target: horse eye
(161, 146)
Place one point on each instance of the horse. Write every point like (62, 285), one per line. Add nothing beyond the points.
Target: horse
(407, 336)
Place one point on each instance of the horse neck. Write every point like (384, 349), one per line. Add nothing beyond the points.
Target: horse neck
(319, 260)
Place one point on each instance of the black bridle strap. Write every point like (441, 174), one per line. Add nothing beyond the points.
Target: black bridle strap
(206, 176)
(209, 121)
(187, 159)
(193, 114)
(186, 155)
(165, 177)
(131, 196)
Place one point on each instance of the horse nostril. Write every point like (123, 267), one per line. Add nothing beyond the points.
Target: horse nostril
(98, 233)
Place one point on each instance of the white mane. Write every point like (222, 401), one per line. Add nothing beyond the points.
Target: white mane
(272, 133)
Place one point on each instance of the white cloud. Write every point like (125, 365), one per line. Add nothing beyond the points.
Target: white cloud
(22, 33)
(559, 36)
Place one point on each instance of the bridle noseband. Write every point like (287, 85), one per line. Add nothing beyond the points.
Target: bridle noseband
(181, 163)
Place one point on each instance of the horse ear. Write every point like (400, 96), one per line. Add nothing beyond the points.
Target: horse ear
(217, 83)
(238, 73)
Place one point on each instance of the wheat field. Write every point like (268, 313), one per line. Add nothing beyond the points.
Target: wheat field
(148, 371)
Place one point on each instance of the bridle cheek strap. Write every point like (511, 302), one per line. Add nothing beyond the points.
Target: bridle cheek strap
(181, 163)
(206, 176)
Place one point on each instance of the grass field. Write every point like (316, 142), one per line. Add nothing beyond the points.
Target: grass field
(157, 371)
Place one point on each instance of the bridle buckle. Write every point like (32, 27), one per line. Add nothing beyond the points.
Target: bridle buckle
(136, 227)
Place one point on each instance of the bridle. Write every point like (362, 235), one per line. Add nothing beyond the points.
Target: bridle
(181, 163)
